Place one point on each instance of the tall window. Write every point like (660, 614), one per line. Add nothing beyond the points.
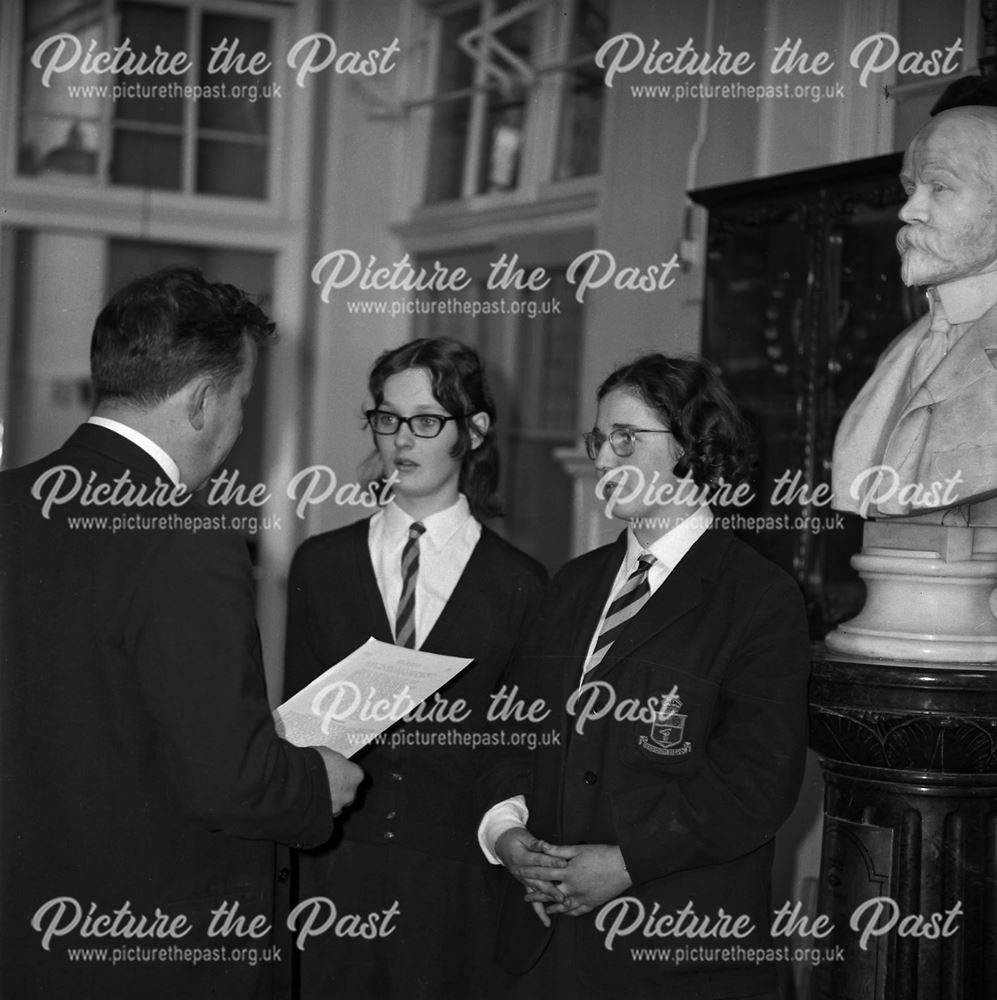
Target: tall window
(509, 76)
(194, 132)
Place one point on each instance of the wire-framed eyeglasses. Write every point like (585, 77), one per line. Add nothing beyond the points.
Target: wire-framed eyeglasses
(622, 440)
(422, 425)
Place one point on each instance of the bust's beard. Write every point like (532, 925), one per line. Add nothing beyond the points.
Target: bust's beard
(907, 268)
(975, 252)
(913, 254)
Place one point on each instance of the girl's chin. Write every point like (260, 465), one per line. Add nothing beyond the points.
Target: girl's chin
(623, 513)
(405, 486)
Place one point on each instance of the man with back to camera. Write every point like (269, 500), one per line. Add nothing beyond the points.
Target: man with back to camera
(928, 413)
(144, 789)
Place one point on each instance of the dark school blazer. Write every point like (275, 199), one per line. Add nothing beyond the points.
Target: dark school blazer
(422, 793)
(694, 800)
(140, 767)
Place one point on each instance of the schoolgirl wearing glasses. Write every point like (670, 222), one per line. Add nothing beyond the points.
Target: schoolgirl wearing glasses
(422, 572)
(680, 658)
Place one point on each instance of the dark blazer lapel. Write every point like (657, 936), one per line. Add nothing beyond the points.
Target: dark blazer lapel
(684, 588)
(593, 600)
(590, 605)
(381, 627)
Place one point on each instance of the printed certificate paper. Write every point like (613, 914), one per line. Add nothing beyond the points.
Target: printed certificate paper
(360, 697)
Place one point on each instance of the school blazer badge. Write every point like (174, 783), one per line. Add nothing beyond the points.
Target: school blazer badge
(667, 729)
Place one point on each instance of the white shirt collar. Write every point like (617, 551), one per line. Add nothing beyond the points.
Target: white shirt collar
(440, 527)
(146, 444)
(670, 548)
(967, 299)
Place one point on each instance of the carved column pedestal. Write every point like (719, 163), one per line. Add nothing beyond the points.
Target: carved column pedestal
(909, 753)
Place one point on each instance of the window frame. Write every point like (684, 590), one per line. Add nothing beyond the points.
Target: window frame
(37, 190)
(544, 112)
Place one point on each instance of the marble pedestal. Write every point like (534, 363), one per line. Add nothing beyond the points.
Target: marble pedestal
(929, 595)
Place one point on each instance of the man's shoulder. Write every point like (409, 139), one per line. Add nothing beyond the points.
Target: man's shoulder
(17, 483)
(94, 467)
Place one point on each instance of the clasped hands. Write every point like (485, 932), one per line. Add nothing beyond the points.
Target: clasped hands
(572, 879)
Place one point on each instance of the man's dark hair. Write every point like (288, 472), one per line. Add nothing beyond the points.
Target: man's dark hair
(161, 330)
(692, 401)
(458, 381)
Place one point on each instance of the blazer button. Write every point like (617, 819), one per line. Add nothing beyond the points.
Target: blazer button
(391, 815)
(590, 778)
(389, 836)
(395, 776)
(284, 874)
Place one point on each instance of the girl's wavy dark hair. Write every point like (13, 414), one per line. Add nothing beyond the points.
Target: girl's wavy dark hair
(459, 385)
(692, 401)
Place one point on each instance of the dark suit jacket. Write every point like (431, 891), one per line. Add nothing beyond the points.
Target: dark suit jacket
(694, 804)
(334, 606)
(140, 763)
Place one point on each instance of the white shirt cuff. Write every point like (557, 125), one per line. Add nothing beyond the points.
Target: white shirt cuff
(502, 816)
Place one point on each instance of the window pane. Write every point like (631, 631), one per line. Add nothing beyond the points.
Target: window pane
(236, 169)
(146, 26)
(59, 133)
(451, 117)
(148, 127)
(581, 127)
(244, 37)
(508, 62)
(146, 159)
(503, 143)
(581, 119)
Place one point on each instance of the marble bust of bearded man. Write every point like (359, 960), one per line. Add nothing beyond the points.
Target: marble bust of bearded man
(921, 436)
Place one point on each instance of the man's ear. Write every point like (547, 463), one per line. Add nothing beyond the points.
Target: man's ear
(480, 422)
(197, 402)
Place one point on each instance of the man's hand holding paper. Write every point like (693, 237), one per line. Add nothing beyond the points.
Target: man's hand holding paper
(357, 699)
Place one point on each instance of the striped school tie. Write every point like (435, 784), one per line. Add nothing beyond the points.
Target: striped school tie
(632, 597)
(405, 618)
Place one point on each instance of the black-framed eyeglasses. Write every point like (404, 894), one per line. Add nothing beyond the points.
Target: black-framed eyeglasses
(622, 440)
(422, 425)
